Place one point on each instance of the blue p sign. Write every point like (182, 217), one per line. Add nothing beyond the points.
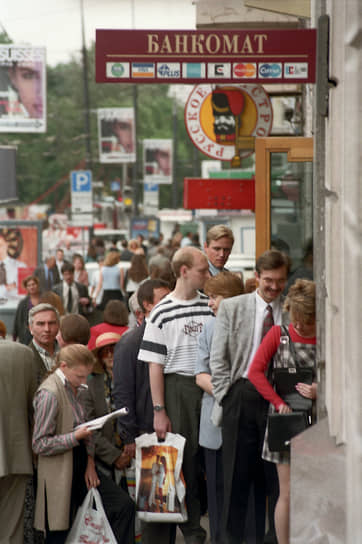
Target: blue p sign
(81, 181)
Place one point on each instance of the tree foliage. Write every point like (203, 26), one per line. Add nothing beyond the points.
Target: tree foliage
(44, 159)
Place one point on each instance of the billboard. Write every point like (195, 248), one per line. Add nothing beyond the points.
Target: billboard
(157, 161)
(116, 135)
(22, 88)
(20, 253)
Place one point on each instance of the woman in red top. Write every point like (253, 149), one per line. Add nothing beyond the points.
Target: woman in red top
(300, 303)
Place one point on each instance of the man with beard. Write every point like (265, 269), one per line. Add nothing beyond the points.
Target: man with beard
(241, 323)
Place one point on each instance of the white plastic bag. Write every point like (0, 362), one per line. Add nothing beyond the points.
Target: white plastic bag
(160, 487)
(91, 525)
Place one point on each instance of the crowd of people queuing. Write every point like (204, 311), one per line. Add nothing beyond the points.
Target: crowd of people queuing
(185, 345)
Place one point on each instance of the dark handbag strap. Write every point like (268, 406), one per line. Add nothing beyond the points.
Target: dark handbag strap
(291, 347)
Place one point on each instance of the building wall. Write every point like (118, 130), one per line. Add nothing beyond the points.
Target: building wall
(343, 243)
(327, 473)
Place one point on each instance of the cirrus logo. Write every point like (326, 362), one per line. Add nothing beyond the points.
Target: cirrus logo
(118, 69)
(270, 70)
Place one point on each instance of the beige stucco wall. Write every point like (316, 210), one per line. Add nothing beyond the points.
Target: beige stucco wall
(340, 257)
(343, 232)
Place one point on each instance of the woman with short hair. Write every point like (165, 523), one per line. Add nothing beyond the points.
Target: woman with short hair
(301, 305)
(21, 329)
(223, 285)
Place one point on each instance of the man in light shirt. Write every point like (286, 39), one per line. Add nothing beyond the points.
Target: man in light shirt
(240, 324)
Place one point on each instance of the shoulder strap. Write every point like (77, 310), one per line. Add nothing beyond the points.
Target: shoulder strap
(292, 349)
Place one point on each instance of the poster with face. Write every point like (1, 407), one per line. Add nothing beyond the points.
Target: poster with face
(22, 88)
(157, 161)
(116, 135)
(20, 246)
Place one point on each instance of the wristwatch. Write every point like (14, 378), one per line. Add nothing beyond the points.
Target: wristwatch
(158, 408)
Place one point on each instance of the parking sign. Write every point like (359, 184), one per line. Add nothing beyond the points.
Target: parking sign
(82, 199)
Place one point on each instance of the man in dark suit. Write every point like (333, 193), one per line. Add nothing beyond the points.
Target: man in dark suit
(241, 323)
(47, 274)
(74, 295)
(132, 389)
(17, 387)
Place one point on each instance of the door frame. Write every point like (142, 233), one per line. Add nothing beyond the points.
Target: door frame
(299, 149)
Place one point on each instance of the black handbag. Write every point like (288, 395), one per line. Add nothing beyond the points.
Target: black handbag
(283, 427)
(286, 378)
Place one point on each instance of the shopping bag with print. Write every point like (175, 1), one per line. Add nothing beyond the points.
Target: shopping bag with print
(91, 524)
(160, 486)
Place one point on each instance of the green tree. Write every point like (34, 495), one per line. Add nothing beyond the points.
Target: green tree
(44, 159)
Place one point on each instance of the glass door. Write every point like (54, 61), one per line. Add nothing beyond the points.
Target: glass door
(284, 197)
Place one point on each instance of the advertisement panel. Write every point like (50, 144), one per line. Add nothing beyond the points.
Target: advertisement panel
(146, 225)
(116, 135)
(20, 253)
(157, 161)
(22, 88)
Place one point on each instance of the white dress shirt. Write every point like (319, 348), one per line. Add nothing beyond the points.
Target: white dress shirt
(260, 313)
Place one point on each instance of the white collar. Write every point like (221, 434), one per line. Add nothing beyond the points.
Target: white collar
(262, 304)
(62, 376)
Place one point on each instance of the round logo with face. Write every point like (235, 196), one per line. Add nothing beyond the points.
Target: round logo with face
(220, 120)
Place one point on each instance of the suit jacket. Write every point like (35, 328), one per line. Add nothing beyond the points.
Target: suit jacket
(132, 386)
(40, 370)
(82, 292)
(17, 388)
(232, 342)
(21, 329)
(44, 283)
(95, 405)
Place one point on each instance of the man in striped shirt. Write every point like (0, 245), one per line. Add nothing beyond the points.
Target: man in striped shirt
(169, 345)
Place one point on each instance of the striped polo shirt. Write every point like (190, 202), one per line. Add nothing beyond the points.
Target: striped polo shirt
(172, 331)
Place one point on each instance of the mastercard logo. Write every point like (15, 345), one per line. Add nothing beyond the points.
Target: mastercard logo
(244, 70)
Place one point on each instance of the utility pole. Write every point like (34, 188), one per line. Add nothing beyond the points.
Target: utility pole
(174, 173)
(88, 155)
(135, 186)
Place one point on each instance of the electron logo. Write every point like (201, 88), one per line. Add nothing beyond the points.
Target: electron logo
(193, 70)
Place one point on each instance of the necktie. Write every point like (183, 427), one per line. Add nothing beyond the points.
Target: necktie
(2, 274)
(268, 321)
(70, 301)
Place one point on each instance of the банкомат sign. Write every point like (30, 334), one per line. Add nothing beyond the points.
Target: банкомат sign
(202, 56)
